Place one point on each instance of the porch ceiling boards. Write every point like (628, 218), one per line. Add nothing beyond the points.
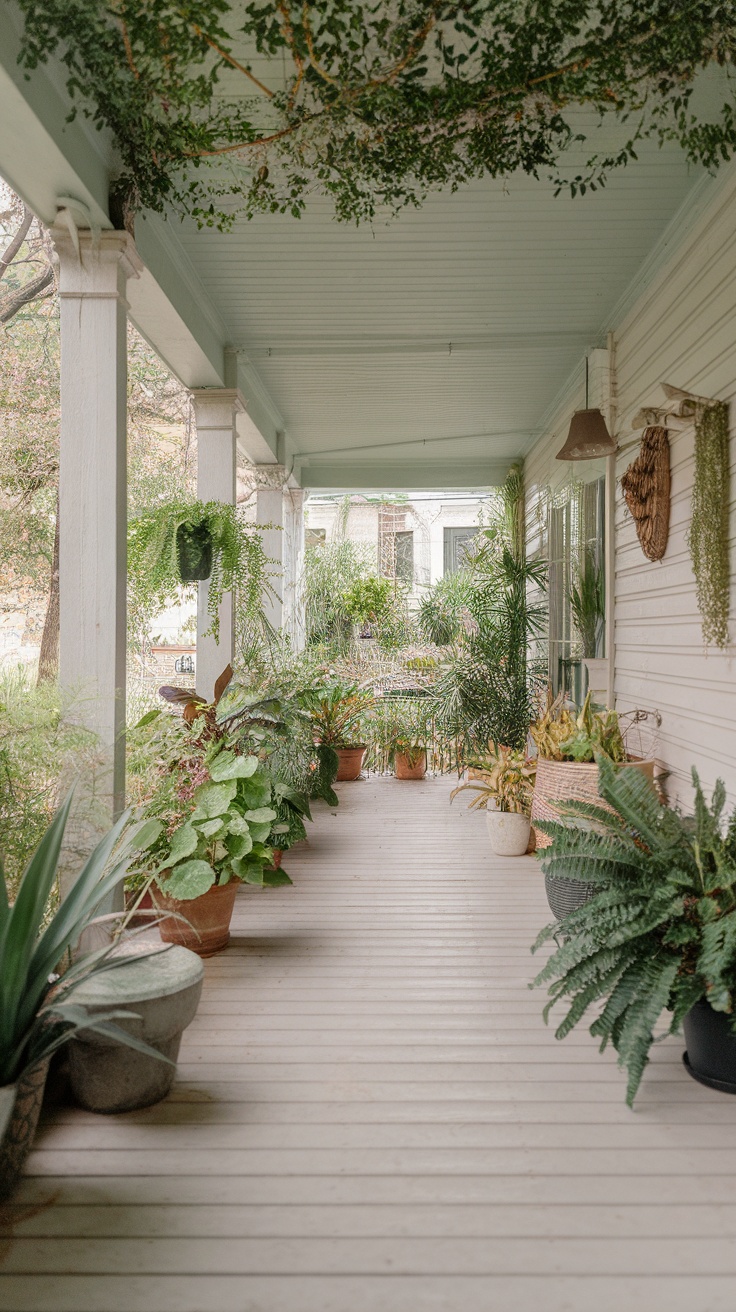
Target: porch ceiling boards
(371, 1115)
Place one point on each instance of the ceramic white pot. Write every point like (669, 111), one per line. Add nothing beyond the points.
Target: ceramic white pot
(508, 832)
(7, 1099)
(598, 677)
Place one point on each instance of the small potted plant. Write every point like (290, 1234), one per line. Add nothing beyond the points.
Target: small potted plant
(367, 603)
(658, 932)
(338, 712)
(504, 792)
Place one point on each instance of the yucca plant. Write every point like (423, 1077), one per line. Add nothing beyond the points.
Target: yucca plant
(37, 1009)
(659, 934)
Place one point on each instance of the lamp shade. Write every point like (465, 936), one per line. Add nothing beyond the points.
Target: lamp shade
(588, 437)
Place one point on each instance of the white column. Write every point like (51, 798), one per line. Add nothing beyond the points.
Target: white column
(215, 410)
(270, 517)
(93, 491)
(293, 618)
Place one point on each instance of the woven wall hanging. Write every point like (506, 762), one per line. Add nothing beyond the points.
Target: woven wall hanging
(646, 487)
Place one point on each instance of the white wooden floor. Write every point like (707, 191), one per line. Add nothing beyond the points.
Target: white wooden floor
(371, 1116)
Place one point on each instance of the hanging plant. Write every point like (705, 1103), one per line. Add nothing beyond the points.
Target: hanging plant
(179, 543)
(375, 103)
(708, 538)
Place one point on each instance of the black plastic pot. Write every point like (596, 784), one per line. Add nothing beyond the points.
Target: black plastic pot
(194, 552)
(566, 895)
(711, 1047)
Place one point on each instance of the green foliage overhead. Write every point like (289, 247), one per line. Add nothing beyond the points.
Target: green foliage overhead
(239, 563)
(660, 931)
(708, 538)
(375, 102)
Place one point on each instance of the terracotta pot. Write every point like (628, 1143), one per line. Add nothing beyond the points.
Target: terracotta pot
(351, 762)
(131, 899)
(207, 927)
(278, 856)
(17, 1139)
(404, 769)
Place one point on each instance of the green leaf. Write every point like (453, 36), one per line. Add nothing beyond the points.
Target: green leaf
(183, 842)
(230, 766)
(211, 827)
(189, 880)
(260, 815)
(259, 833)
(275, 878)
(214, 799)
(239, 845)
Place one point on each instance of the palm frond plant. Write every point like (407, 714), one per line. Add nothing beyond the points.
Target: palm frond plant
(507, 782)
(442, 610)
(588, 603)
(658, 934)
(175, 544)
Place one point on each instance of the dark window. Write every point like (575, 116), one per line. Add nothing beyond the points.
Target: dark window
(456, 545)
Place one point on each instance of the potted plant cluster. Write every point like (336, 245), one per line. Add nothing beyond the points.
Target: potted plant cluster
(338, 711)
(367, 603)
(504, 791)
(569, 745)
(398, 729)
(658, 932)
(40, 982)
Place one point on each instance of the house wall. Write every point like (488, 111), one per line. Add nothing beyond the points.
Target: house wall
(680, 330)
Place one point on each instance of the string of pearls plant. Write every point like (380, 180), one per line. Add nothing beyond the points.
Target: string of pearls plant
(708, 537)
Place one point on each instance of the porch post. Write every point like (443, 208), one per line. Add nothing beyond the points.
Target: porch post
(93, 272)
(215, 411)
(293, 618)
(270, 481)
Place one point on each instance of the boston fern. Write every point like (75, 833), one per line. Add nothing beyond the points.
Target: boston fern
(239, 563)
(378, 102)
(659, 934)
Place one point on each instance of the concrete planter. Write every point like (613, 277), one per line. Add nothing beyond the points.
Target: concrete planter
(508, 832)
(410, 767)
(163, 991)
(351, 762)
(20, 1104)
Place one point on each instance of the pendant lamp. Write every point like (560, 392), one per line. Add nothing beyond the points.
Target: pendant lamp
(588, 437)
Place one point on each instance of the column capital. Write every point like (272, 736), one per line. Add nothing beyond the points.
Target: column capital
(92, 264)
(268, 477)
(216, 407)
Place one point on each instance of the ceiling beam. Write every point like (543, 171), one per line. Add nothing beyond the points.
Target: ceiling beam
(402, 476)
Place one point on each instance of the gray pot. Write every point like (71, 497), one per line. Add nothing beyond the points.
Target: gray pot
(163, 991)
(566, 895)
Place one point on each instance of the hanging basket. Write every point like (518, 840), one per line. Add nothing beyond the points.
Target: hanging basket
(558, 782)
(194, 552)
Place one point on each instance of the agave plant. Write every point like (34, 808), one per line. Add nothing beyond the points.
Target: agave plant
(37, 1009)
(659, 934)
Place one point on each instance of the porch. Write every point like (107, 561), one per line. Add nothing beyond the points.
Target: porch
(370, 1114)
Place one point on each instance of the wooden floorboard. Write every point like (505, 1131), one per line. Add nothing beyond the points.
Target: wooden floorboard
(371, 1116)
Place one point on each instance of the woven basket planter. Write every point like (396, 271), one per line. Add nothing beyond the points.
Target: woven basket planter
(565, 781)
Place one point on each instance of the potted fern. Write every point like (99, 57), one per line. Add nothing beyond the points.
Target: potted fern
(658, 932)
(504, 791)
(184, 542)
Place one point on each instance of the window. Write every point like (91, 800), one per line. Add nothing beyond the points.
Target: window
(576, 526)
(456, 545)
(405, 556)
(315, 537)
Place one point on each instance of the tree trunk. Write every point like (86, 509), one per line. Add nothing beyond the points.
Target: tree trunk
(48, 661)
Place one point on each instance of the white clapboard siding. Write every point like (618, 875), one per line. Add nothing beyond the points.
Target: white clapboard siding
(681, 330)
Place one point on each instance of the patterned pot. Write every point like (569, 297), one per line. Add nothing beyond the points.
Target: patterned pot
(408, 766)
(204, 926)
(558, 782)
(20, 1129)
(566, 895)
(351, 762)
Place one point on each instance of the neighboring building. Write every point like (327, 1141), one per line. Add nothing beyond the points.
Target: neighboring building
(417, 538)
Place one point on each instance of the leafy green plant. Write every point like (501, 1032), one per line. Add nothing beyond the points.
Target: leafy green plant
(659, 934)
(239, 563)
(375, 103)
(708, 537)
(331, 570)
(560, 734)
(221, 828)
(367, 601)
(488, 690)
(588, 603)
(507, 782)
(441, 611)
(338, 712)
(37, 1009)
(397, 724)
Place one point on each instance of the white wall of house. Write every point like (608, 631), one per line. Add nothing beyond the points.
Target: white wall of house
(425, 514)
(681, 329)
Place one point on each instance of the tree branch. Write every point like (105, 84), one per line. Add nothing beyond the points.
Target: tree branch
(11, 250)
(36, 288)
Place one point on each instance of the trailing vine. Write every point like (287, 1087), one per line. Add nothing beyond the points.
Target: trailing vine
(239, 563)
(708, 537)
(376, 102)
